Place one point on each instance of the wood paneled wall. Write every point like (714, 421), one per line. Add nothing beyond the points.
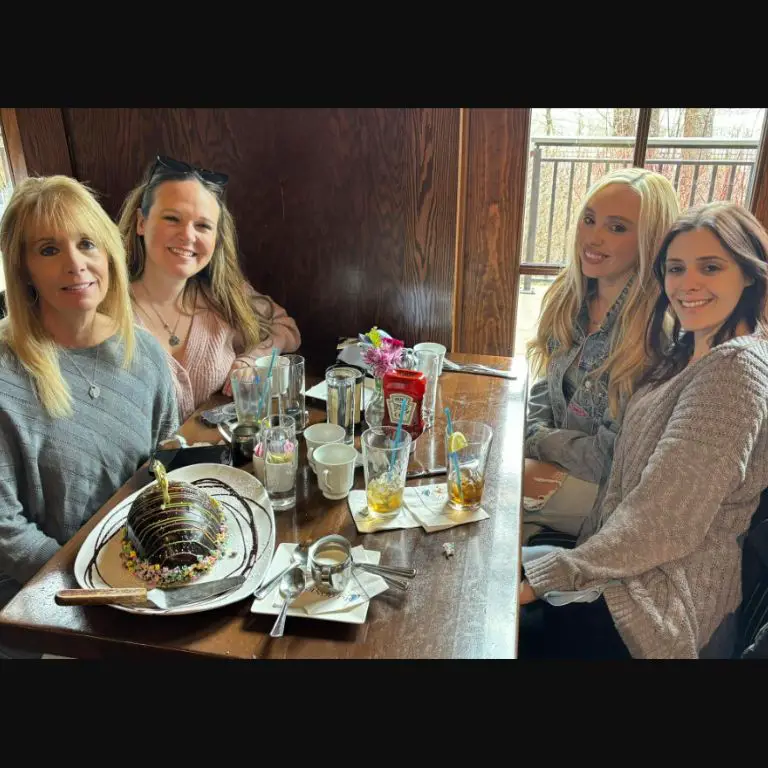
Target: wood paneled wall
(44, 142)
(489, 246)
(347, 217)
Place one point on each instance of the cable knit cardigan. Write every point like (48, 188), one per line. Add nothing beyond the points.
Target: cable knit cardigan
(689, 466)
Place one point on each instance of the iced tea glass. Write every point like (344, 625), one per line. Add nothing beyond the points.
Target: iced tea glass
(465, 489)
(385, 465)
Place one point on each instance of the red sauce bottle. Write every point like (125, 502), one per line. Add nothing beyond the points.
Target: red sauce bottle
(404, 386)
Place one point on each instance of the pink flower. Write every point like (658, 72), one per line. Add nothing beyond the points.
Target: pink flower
(385, 358)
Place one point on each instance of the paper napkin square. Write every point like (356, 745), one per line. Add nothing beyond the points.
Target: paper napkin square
(368, 523)
(429, 505)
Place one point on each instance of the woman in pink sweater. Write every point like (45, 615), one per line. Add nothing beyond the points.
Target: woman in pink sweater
(187, 287)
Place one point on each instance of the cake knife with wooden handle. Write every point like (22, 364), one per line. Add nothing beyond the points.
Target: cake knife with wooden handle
(159, 598)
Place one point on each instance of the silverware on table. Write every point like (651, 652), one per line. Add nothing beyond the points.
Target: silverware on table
(292, 585)
(477, 368)
(391, 581)
(394, 570)
(164, 599)
(299, 558)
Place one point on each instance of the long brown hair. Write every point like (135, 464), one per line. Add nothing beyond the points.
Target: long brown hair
(626, 360)
(222, 280)
(745, 239)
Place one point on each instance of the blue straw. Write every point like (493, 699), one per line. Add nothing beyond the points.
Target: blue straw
(268, 382)
(448, 419)
(397, 435)
(453, 455)
(272, 362)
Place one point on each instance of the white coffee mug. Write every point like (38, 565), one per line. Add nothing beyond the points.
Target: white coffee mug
(429, 346)
(322, 434)
(280, 372)
(335, 466)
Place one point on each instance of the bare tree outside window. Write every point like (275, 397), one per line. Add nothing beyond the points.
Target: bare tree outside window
(707, 153)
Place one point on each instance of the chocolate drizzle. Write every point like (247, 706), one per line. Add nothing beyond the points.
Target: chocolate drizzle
(239, 512)
(173, 524)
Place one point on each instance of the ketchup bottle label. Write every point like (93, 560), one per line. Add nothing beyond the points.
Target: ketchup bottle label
(394, 406)
(404, 387)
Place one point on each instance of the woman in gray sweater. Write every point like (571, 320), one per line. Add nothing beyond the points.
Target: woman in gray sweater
(84, 397)
(656, 570)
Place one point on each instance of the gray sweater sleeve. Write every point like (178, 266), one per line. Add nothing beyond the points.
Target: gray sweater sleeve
(25, 548)
(165, 416)
(698, 463)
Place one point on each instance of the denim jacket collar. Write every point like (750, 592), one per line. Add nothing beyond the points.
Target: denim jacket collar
(582, 319)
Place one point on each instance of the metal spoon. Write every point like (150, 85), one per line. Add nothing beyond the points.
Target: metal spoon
(292, 585)
(392, 581)
(390, 570)
(298, 559)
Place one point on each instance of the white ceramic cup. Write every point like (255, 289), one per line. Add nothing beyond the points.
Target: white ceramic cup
(322, 434)
(280, 372)
(335, 466)
(430, 346)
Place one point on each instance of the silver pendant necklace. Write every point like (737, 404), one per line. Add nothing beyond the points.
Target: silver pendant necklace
(173, 339)
(93, 390)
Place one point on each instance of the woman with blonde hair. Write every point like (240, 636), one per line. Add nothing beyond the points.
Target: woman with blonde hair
(186, 283)
(84, 397)
(590, 342)
(657, 569)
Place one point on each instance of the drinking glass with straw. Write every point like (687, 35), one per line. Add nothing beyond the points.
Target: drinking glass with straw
(467, 445)
(267, 391)
(248, 390)
(385, 463)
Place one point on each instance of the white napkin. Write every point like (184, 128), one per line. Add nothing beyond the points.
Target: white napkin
(361, 588)
(429, 505)
(369, 523)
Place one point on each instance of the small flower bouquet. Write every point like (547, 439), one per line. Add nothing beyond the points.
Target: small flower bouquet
(381, 353)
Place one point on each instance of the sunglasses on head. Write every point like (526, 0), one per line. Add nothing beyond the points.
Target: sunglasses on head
(168, 164)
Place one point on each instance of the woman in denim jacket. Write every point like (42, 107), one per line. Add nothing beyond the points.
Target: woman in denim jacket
(591, 334)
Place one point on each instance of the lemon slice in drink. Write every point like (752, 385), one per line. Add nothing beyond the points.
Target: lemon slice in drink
(279, 458)
(456, 442)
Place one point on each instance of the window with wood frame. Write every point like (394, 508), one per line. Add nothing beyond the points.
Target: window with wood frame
(707, 153)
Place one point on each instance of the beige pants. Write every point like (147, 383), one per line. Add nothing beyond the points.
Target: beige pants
(564, 511)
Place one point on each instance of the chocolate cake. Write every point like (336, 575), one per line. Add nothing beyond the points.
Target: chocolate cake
(174, 531)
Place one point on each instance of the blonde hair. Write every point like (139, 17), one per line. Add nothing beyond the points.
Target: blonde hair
(61, 204)
(626, 361)
(222, 280)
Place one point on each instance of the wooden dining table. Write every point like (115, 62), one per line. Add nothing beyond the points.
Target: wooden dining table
(463, 605)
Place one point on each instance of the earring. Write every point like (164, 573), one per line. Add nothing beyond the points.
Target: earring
(33, 294)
